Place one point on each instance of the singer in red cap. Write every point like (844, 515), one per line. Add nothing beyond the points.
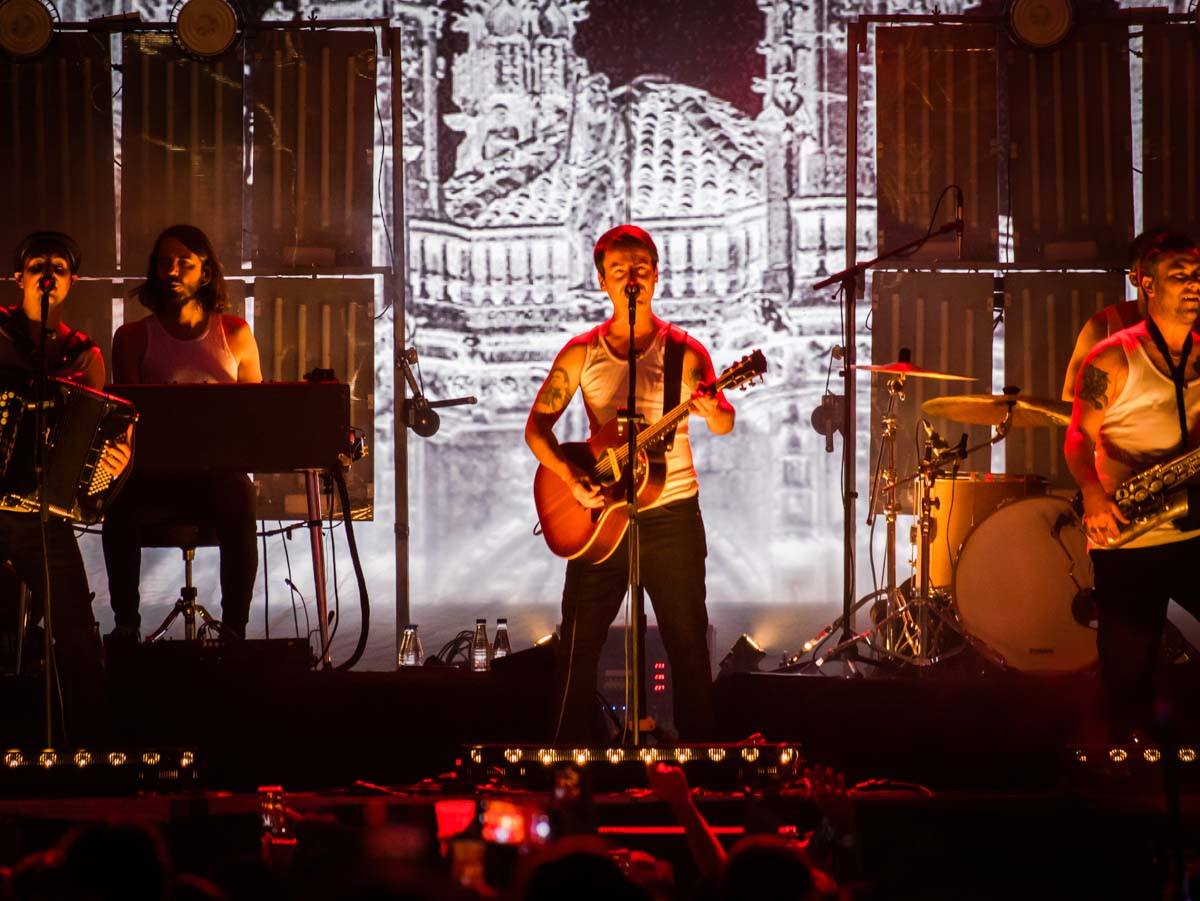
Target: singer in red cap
(672, 547)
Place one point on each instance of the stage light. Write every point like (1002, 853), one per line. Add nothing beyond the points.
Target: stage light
(749, 754)
(476, 755)
(716, 755)
(683, 755)
(786, 756)
(614, 755)
(1081, 756)
(26, 26)
(1040, 24)
(546, 756)
(118, 758)
(151, 758)
(512, 755)
(206, 29)
(1118, 755)
(545, 639)
(581, 757)
(47, 758)
(648, 755)
(187, 758)
(1187, 755)
(743, 657)
(13, 759)
(1152, 755)
(82, 758)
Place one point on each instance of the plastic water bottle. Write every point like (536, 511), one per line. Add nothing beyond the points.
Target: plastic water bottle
(501, 648)
(481, 653)
(411, 652)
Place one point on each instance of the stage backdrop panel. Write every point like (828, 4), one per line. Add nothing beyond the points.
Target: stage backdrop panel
(1043, 313)
(314, 132)
(57, 154)
(181, 146)
(1071, 172)
(945, 319)
(1170, 110)
(303, 324)
(936, 126)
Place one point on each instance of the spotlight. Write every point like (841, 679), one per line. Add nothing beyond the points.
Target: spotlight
(512, 755)
(82, 758)
(48, 758)
(545, 639)
(1187, 755)
(1040, 24)
(206, 29)
(26, 26)
(614, 755)
(743, 657)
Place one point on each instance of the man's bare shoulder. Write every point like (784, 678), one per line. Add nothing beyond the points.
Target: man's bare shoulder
(234, 325)
(1109, 353)
(132, 329)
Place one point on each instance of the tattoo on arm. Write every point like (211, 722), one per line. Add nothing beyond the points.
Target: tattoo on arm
(696, 378)
(554, 394)
(1093, 386)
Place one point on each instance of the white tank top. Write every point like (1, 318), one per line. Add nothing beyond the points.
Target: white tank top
(1141, 426)
(605, 385)
(187, 361)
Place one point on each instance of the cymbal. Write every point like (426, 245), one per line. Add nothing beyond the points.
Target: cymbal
(990, 409)
(909, 370)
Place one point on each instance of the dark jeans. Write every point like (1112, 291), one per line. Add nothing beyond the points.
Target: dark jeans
(1133, 587)
(223, 502)
(77, 648)
(672, 563)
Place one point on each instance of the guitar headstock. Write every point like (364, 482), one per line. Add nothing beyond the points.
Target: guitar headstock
(744, 371)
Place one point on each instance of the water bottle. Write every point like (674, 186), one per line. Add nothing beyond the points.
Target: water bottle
(411, 652)
(501, 648)
(481, 653)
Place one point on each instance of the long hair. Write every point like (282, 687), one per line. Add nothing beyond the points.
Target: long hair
(212, 290)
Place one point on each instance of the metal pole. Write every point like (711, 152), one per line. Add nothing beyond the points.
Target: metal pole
(399, 291)
(849, 468)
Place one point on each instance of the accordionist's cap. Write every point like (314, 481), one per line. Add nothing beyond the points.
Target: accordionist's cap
(47, 242)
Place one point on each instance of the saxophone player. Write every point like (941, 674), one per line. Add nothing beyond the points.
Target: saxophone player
(1136, 404)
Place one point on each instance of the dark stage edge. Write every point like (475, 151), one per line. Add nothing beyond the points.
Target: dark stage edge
(317, 730)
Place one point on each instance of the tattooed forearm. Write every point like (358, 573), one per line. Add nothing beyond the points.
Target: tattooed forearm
(554, 394)
(1093, 387)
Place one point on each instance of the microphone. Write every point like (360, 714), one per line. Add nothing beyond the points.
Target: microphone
(958, 221)
(632, 290)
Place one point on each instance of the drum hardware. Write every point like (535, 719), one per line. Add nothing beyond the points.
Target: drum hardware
(991, 409)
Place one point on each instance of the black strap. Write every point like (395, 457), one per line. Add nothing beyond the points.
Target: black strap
(1178, 373)
(672, 376)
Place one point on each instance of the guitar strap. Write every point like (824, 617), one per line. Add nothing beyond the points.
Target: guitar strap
(1178, 373)
(672, 376)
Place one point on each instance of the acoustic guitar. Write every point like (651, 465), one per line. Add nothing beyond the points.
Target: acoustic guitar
(592, 534)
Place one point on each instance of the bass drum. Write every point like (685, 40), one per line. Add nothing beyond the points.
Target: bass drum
(1017, 579)
(963, 502)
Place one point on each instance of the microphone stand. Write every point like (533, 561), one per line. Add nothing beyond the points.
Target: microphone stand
(636, 638)
(849, 279)
(40, 380)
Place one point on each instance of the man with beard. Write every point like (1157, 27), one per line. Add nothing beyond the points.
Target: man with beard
(185, 339)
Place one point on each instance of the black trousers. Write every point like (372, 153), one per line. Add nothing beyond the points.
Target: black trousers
(1133, 588)
(77, 648)
(223, 502)
(673, 550)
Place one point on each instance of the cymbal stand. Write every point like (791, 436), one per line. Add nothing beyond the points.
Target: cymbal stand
(915, 642)
(885, 478)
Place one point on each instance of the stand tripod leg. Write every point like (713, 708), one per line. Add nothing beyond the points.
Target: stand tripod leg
(209, 620)
(166, 623)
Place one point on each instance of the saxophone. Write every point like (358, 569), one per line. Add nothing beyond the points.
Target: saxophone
(1155, 496)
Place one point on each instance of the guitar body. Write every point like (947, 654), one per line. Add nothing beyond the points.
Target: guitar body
(592, 534)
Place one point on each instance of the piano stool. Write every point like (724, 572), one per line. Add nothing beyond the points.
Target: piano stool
(187, 537)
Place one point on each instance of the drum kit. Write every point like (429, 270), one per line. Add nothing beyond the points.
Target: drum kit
(1000, 564)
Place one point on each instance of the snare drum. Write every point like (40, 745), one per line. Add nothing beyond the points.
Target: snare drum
(1019, 572)
(961, 504)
